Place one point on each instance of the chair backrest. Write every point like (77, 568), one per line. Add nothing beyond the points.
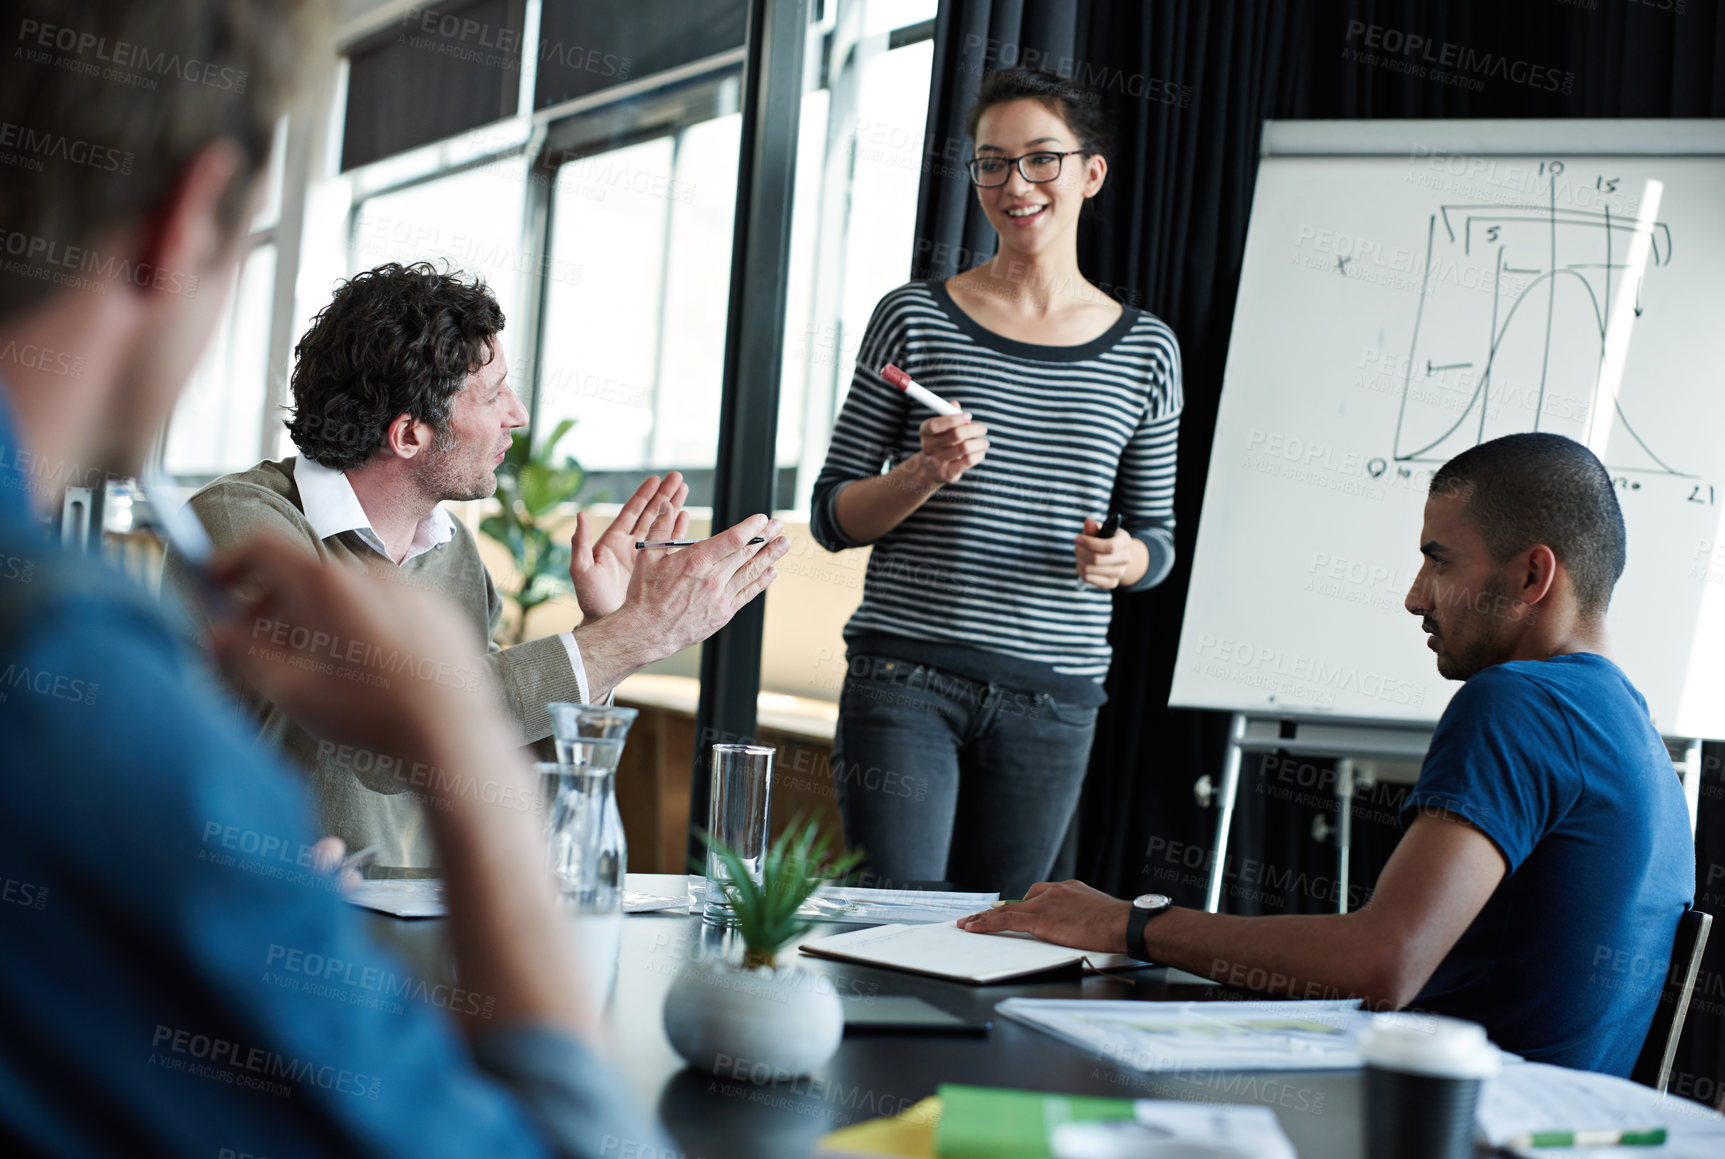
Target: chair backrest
(1653, 1068)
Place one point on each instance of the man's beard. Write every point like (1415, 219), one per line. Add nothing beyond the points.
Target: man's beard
(444, 480)
(1484, 650)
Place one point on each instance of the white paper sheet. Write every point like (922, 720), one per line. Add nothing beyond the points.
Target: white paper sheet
(1538, 1097)
(1254, 1130)
(405, 897)
(1170, 1036)
(945, 951)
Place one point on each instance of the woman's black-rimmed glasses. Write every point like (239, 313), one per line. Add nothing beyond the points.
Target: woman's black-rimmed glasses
(1036, 168)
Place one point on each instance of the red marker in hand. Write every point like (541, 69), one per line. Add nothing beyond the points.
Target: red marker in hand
(922, 394)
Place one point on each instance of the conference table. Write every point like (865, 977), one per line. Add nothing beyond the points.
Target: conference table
(718, 1116)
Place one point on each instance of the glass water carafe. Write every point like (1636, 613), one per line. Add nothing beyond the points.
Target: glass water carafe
(584, 838)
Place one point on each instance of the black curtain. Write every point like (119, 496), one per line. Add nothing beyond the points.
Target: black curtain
(1190, 83)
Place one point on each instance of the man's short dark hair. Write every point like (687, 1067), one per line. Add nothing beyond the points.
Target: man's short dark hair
(103, 105)
(394, 340)
(1535, 488)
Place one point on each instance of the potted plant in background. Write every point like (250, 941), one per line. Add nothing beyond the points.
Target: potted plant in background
(775, 1014)
(531, 487)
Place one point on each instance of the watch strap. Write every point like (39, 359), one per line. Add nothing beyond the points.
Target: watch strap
(1135, 932)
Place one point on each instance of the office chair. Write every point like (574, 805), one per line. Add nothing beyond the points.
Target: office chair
(1653, 1067)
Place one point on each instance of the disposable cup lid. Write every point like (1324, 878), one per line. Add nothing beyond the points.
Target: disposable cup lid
(1429, 1044)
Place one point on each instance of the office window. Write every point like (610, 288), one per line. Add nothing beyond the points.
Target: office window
(637, 285)
(470, 220)
(218, 423)
(437, 71)
(639, 263)
(859, 162)
(584, 48)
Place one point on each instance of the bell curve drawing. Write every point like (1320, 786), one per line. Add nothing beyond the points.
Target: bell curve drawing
(1544, 349)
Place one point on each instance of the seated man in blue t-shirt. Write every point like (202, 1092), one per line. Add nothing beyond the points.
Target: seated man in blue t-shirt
(1547, 855)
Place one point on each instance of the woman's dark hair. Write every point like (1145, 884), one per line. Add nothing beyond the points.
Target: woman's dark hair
(1080, 106)
(394, 340)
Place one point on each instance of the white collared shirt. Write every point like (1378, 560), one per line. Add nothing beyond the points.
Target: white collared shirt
(332, 506)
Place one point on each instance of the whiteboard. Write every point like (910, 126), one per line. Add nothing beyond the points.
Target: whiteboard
(1442, 284)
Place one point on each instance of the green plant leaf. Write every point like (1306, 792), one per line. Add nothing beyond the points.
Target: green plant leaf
(555, 437)
(795, 866)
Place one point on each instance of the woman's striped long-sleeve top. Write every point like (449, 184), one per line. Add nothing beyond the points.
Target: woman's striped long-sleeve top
(980, 579)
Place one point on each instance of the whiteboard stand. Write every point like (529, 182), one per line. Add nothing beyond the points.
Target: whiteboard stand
(1348, 742)
(1305, 737)
(1689, 771)
(1344, 829)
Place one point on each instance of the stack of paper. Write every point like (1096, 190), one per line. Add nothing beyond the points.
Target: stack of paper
(1536, 1098)
(850, 904)
(853, 904)
(1161, 1036)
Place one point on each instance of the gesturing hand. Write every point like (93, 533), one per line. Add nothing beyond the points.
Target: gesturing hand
(600, 570)
(1103, 563)
(680, 596)
(1067, 913)
(951, 445)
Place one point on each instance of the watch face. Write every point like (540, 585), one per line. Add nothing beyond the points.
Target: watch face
(1152, 901)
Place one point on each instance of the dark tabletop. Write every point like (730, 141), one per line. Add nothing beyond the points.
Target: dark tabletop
(718, 1116)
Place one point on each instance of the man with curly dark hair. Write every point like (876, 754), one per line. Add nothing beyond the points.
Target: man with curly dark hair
(402, 402)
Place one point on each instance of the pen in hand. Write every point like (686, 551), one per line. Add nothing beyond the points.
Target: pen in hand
(354, 862)
(639, 544)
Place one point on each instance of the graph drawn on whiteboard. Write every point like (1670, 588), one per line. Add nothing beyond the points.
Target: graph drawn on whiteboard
(1552, 334)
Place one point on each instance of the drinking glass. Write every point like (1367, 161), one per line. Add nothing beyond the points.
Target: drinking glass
(737, 814)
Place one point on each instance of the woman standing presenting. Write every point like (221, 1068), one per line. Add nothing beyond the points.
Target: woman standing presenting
(977, 657)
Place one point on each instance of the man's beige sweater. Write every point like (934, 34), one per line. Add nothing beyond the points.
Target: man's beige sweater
(367, 798)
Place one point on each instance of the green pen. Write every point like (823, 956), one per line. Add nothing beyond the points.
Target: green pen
(1607, 1137)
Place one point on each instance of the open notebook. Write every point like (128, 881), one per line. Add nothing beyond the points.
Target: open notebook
(945, 951)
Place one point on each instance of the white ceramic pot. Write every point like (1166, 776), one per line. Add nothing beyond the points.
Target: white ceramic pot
(760, 1025)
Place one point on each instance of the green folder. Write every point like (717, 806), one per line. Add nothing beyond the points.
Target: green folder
(999, 1123)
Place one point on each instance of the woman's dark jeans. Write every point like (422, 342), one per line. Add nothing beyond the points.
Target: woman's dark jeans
(941, 777)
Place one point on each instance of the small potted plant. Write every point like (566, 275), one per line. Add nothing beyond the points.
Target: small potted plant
(777, 1015)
